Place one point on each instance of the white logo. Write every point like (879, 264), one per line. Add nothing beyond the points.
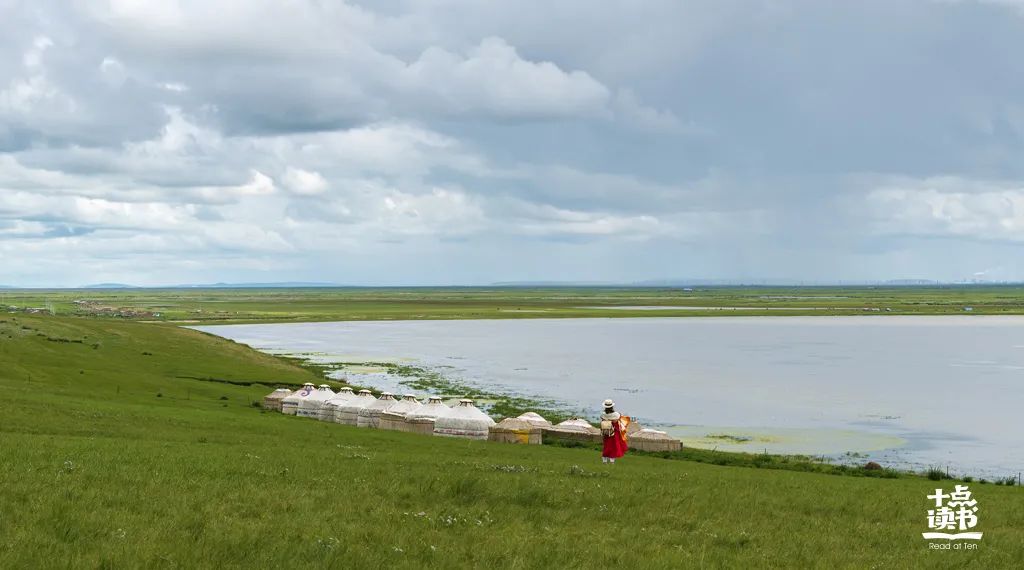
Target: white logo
(953, 511)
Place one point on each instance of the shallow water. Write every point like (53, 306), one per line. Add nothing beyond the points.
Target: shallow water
(909, 391)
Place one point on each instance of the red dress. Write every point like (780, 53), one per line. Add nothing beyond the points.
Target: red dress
(615, 444)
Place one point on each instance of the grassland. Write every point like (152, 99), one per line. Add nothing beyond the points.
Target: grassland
(330, 304)
(116, 453)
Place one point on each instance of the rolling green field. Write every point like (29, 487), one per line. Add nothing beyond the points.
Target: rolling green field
(326, 304)
(118, 449)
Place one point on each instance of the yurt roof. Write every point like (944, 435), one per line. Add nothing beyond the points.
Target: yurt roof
(515, 424)
(407, 404)
(302, 393)
(465, 414)
(357, 402)
(279, 394)
(429, 411)
(322, 394)
(534, 418)
(343, 395)
(652, 435)
(578, 424)
(385, 402)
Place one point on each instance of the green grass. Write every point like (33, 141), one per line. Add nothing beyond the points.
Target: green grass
(326, 304)
(97, 471)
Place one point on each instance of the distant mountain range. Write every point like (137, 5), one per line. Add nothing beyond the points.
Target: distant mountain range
(912, 282)
(212, 285)
(110, 286)
(555, 284)
(683, 283)
(256, 285)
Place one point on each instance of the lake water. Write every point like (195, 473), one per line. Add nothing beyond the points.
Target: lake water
(906, 391)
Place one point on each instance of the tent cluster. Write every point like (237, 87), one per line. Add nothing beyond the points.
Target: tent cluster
(434, 417)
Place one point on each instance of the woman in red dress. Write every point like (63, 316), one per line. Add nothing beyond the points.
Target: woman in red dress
(613, 428)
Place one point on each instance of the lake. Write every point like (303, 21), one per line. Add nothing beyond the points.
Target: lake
(906, 391)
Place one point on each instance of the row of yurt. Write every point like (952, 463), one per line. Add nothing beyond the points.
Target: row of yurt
(393, 418)
(421, 420)
(309, 407)
(330, 407)
(290, 404)
(465, 421)
(273, 400)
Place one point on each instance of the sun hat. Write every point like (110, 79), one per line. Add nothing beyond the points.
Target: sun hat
(609, 404)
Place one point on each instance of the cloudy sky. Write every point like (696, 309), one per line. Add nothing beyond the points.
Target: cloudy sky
(467, 142)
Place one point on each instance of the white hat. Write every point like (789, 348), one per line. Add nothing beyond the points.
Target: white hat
(609, 404)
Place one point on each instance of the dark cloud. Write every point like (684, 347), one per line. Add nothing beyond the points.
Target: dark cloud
(510, 140)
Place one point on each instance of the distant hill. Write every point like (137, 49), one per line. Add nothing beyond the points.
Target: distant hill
(110, 286)
(912, 282)
(555, 284)
(255, 285)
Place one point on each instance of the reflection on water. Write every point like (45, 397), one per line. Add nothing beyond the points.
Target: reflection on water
(950, 387)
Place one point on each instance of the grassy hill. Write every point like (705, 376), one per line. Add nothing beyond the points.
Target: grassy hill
(118, 449)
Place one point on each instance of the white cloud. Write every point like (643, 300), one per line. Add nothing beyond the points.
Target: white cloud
(34, 90)
(492, 77)
(259, 185)
(174, 86)
(33, 58)
(304, 182)
(113, 72)
(950, 207)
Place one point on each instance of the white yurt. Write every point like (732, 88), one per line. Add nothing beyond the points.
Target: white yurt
(330, 407)
(515, 430)
(310, 407)
(465, 421)
(272, 401)
(579, 424)
(576, 429)
(535, 419)
(290, 404)
(421, 420)
(654, 440)
(369, 416)
(394, 417)
(348, 412)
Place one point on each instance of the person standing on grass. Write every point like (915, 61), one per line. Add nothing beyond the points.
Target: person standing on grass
(613, 428)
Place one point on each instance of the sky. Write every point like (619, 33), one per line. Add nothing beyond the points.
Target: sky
(464, 142)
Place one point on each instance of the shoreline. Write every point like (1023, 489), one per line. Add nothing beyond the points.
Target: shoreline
(502, 405)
